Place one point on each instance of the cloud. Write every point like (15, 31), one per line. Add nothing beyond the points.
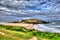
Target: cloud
(29, 8)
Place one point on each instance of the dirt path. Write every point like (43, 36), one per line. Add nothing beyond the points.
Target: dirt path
(33, 38)
(28, 26)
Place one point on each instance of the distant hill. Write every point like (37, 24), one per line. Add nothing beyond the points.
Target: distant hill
(34, 21)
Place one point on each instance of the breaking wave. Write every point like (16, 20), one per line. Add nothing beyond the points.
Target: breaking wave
(46, 28)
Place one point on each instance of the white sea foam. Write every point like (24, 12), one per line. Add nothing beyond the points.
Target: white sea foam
(45, 28)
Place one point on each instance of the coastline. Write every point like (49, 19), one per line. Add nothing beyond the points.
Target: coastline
(25, 25)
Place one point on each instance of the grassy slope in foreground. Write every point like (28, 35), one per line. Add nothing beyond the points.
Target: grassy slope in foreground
(20, 33)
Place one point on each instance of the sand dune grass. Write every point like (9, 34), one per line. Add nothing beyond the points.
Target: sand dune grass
(21, 33)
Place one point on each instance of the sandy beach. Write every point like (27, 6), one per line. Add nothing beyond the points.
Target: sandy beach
(27, 26)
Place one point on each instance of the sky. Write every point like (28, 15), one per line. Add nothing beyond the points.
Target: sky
(39, 9)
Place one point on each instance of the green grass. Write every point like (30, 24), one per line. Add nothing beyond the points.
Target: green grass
(20, 33)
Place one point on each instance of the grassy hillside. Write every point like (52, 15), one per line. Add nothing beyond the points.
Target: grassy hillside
(34, 21)
(20, 33)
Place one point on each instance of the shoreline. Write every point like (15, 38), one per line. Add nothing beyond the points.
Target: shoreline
(25, 25)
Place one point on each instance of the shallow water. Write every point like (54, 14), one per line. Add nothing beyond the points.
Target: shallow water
(47, 28)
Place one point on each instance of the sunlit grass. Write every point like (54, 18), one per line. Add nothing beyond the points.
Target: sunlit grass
(20, 33)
